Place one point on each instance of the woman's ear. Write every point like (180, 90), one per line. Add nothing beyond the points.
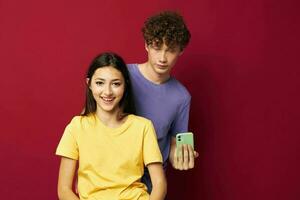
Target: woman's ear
(87, 80)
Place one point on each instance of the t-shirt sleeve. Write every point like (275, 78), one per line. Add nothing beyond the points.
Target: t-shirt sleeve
(181, 121)
(67, 146)
(151, 151)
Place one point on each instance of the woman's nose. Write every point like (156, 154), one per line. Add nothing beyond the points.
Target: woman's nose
(107, 90)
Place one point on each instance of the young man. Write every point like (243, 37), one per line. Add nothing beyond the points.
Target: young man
(158, 96)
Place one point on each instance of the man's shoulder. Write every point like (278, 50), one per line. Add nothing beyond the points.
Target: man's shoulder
(131, 66)
(180, 89)
(133, 70)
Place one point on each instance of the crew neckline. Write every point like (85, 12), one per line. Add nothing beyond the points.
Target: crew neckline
(117, 130)
(147, 80)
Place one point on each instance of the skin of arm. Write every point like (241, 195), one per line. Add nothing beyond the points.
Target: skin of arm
(65, 179)
(158, 179)
(185, 161)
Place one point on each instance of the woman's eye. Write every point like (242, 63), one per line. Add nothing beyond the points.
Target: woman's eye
(99, 83)
(116, 84)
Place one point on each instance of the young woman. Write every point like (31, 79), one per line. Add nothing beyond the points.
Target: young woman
(109, 142)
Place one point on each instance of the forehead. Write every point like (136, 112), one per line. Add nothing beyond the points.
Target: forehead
(108, 72)
(164, 45)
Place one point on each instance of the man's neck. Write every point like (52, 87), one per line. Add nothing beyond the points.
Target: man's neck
(148, 72)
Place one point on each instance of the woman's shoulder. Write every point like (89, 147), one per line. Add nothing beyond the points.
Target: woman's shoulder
(79, 121)
(140, 120)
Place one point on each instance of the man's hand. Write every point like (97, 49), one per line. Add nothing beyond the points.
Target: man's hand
(185, 158)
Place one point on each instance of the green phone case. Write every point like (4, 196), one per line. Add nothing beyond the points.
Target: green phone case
(184, 138)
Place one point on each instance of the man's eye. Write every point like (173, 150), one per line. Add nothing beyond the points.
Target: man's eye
(155, 47)
(173, 50)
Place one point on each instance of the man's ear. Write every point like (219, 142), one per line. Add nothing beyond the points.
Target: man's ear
(146, 47)
(181, 52)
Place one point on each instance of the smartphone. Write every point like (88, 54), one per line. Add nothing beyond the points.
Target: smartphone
(184, 138)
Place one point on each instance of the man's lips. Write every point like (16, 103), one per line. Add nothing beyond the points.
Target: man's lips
(162, 66)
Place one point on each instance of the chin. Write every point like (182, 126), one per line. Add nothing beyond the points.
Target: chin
(162, 72)
(107, 108)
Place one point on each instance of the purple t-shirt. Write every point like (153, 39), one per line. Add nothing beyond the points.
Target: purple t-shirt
(167, 105)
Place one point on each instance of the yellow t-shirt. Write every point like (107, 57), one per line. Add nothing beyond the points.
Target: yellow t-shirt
(111, 160)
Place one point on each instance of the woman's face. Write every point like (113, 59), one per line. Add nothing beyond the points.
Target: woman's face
(108, 86)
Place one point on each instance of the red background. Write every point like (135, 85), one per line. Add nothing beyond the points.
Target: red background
(241, 68)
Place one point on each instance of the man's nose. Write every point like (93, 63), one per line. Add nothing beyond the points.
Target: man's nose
(163, 57)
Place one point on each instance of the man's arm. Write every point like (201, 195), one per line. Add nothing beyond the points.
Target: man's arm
(186, 157)
(158, 179)
(65, 179)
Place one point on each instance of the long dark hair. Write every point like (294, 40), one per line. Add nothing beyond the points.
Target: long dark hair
(115, 61)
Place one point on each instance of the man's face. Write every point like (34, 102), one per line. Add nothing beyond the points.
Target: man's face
(162, 58)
